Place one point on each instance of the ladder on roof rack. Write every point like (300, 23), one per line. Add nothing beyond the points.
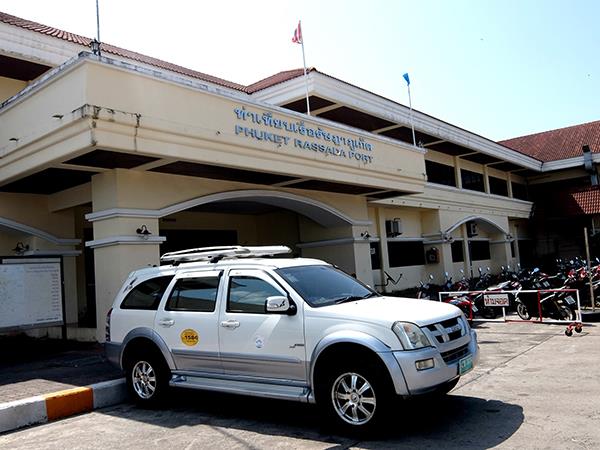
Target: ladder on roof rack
(217, 253)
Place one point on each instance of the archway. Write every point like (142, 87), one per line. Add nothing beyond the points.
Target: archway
(263, 217)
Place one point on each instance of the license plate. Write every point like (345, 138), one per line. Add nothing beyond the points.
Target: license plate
(465, 364)
(570, 300)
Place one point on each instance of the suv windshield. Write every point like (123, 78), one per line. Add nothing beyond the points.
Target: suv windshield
(325, 285)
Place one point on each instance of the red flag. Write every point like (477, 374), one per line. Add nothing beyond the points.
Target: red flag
(297, 38)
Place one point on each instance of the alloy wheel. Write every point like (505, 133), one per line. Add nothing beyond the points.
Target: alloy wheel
(143, 379)
(353, 398)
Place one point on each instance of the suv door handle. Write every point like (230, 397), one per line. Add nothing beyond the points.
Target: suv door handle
(166, 323)
(231, 324)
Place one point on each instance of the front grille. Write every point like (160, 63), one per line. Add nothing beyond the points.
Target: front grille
(448, 330)
(452, 356)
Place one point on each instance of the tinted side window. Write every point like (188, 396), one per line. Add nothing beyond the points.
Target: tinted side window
(249, 294)
(147, 294)
(194, 294)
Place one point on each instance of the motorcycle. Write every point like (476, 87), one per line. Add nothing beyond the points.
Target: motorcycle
(550, 304)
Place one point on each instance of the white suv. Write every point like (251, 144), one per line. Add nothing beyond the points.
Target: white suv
(234, 319)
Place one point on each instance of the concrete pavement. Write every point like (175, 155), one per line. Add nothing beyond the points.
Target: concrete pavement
(534, 388)
(44, 379)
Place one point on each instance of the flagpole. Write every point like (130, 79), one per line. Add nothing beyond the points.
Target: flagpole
(98, 26)
(305, 75)
(412, 124)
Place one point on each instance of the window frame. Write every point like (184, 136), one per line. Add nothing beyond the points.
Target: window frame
(154, 307)
(418, 254)
(438, 168)
(480, 242)
(496, 182)
(194, 276)
(258, 274)
(470, 174)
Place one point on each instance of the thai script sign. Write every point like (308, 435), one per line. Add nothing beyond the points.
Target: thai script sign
(305, 138)
(495, 300)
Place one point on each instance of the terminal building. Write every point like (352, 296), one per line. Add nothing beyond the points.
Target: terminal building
(108, 161)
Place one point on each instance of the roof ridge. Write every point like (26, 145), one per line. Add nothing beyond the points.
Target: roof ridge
(115, 50)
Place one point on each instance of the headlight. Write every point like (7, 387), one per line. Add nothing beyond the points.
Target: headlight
(411, 336)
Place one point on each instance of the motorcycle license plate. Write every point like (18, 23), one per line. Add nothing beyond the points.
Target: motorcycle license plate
(570, 300)
(465, 364)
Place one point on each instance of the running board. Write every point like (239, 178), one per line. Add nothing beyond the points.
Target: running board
(265, 390)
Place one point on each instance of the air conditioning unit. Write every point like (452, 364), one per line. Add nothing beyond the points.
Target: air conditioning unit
(471, 229)
(393, 227)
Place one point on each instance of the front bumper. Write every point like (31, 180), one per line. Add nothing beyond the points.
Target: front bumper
(423, 381)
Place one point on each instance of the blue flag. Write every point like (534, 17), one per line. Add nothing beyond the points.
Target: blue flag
(405, 76)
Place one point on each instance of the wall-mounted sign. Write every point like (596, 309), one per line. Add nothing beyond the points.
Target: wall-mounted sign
(267, 128)
(30, 293)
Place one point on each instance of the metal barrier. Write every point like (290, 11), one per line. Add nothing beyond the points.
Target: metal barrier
(466, 300)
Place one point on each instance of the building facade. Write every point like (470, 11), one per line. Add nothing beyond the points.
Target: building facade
(109, 161)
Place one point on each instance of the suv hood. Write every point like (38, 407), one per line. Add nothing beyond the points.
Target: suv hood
(387, 310)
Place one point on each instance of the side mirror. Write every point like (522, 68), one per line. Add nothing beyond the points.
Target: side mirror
(280, 304)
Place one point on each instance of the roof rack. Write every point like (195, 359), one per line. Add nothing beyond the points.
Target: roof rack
(215, 254)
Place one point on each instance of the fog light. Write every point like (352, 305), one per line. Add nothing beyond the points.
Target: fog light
(424, 364)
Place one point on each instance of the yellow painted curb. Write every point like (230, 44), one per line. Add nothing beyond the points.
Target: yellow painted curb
(68, 402)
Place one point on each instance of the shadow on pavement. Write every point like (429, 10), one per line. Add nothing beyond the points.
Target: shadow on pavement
(450, 422)
(23, 359)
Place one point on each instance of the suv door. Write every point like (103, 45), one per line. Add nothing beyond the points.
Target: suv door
(187, 321)
(252, 342)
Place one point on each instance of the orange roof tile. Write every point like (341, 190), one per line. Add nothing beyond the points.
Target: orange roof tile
(588, 200)
(111, 49)
(581, 201)
(558, 144)
(280, 77)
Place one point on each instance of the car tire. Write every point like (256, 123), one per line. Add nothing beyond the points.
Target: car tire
(356, 397)
(147, 378)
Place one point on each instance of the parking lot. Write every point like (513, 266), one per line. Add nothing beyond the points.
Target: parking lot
(534, 388)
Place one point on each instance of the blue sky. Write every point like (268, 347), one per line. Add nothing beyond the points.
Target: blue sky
(499, 68)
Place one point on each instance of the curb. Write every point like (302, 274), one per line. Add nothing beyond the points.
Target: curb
(61, 404)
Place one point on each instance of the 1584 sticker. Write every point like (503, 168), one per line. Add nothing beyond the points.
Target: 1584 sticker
(189, 337)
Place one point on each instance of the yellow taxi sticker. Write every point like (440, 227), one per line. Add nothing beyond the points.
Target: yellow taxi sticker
(189, 337)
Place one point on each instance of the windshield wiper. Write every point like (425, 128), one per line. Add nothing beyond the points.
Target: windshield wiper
(352, 298)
